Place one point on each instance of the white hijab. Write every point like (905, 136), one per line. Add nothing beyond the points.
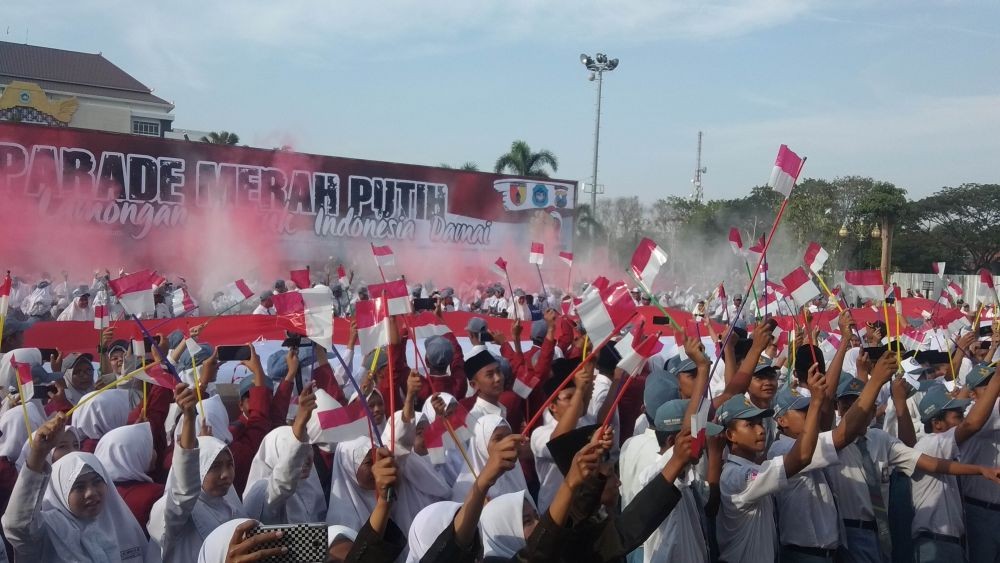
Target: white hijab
(215, 548)
(510, 482)
(212, 511)
(127, 453)
(427, 526)
(13, 434)
(74, 312)
(103, 413)
(307, 502)
(27, 447)
(113, 536)
(217, 417)
(350, 505)
(38, 302)
(31, 356)
(501, 525)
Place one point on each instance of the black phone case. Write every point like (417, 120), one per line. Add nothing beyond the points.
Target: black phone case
(306, 543)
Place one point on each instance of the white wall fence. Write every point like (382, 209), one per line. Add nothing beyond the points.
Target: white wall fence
(930, 285)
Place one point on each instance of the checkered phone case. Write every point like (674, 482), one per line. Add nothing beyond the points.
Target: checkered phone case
(306, 543)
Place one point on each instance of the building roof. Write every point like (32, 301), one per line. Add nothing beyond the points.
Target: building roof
(70, 71)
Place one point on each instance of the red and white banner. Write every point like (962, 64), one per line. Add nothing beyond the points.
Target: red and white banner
(332, 422)
(647, 260)
(300, 278)
(815, 257)
(102, 317)
(500, 267)
(182, 303)
(954, 289)
(426, 324)
(155, 374)
(786, 170)
(635, 349)
(867, 284)
(24, 380)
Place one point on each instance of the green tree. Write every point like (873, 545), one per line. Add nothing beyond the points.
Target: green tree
(965, 221)
(468, 166)
(221, 138)
(522, 162)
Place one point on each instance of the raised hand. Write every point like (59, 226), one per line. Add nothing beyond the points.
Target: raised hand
(384, 471)
(695, 350)
(502, 459)
(438, 403)
(44, 441)
(816, 381)
(307, 404)
(186, 399)
(243, 548)
(885, 367)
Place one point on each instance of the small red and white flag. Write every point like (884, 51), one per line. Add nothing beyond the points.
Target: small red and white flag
(815, 257)
(300, 278)
(434, 441)
(237, 291)
(945, 298)
(156, 374)
(525, 382)
(139, 348)
(135, 291)
(5, 288)
(332, 422)
(192, 346)
(830, 345)
(913, 338)
(426, 324)
(786, 171)
(647, 260)
(342, 276)
(938, 268)
(308, 312)
(396, 295)
(102, 317)
(373, 324)
(383, 255)
(604, 311)
(722, 292)
(866, 283)
(636, 348)
(986, 280)
(567, 258)
(500, 267)
(755, 252)
(953, 320)
(182, 303)
(954, 289)
(800, 287)
(537, 253)
(699, 426)
(736, 241)
(25, 383)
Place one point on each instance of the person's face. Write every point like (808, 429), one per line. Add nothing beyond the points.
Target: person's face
(220, 475)
(529, 518)
(844, 403)
(66, 443)
(419, 444)
(307, 466)
(86, 497)
(83, 376)
(980, 351)
(377, 406)
(855, 342)
(84, 301)
(562, 402)
(792, 422)
(499, 434)
(609, 496)
(763, 386)
(949, 419)
(366, 479)
(488, 382)
(645, 301)
(117, 358)
(685, 382)
(747, 434)
(267, 303)
(339, 550)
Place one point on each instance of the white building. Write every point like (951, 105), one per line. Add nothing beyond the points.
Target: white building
(67, 88)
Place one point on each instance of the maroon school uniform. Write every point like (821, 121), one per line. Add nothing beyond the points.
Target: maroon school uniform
(140, 497)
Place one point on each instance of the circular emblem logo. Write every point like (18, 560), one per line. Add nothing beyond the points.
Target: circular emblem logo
(25, 97)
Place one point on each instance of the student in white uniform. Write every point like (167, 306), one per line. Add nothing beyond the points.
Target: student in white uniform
(980, 497)
(486, 380)
(680, 537)
(746, 526)
(266, 306)
(641, 450)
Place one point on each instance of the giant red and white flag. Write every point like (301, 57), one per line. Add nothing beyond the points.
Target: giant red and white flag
(938, 268)
(567, 258)
(426, 324)
(135, 291)
(636, 348)
(866, 283)
(182, 302)
(647, 260)
(537, 253)
(383, 256)
(332, 422)
(373, 324)
(815, 257)
(308, 312)
(500, 267)
(786, 170)
(156, 374)
(25, 382)
(396, 295)
(603, 312)
(736, 241)
(800, 287)
(5, 288)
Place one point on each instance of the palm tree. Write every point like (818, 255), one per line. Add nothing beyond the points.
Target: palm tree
(588, 228)
(221, 138)
(521, 161)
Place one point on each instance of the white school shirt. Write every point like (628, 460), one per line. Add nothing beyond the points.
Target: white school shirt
(891, 424)
(746, 527)
(937, 504)
(482, 408)
(262, 310)
(679, 537)
(549, 476)
(981, 449)
(638, 453)
(848, 479)
(811, 515)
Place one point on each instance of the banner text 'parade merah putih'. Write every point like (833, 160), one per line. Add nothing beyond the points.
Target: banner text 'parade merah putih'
(138, 186)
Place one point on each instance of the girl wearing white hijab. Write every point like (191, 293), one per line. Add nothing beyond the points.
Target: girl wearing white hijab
(490, 429)
(352, 487)
(199, 495)
(427, 526)
(100, 415)
(452, 467)
(282, 487)
(67, 441)
(128, 455)
(79, 518)
(505, 524)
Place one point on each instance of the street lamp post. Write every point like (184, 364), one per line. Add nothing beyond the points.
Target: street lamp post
(597, 65)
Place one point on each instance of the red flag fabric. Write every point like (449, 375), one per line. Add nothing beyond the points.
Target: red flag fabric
(500, 267)
(24, 380)
(426, 324)
(342, 276)
(135, 291)
(567, 258)
(786, 170)
(866, 283)
(537, 253)
(373, 324)
(157, 375)
(736, 241)
(604, 311)
(308, 312)
(800, 287)
(5, 288)
(396, 295)
(647, 260)
(635, 349)
(938, 268)
(815, 257)
(300, 278)
(383, 256)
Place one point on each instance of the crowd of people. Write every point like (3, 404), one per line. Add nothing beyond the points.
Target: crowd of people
(848, 449)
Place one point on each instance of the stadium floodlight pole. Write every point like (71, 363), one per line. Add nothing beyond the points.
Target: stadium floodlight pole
(597, 65)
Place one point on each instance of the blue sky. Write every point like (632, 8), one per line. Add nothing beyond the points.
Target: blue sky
(905, 91)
